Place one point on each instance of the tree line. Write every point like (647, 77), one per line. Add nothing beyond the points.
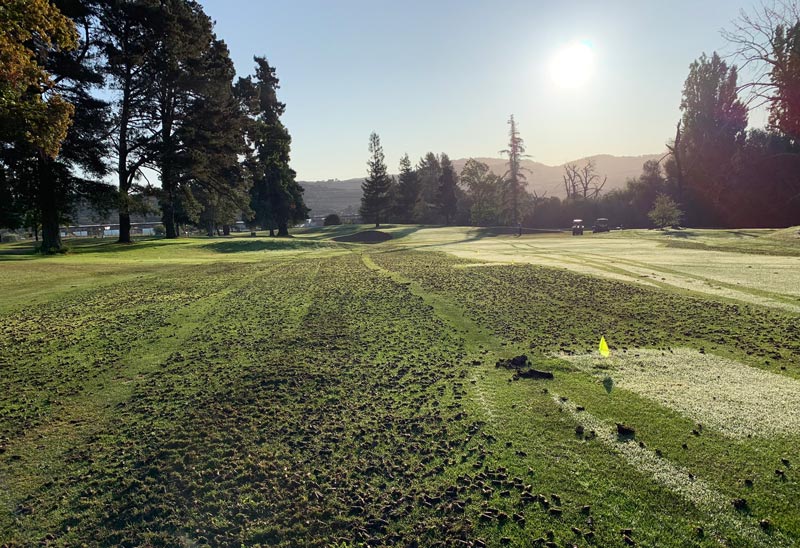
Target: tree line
(717, 172)
(134, 90)
(433, 193)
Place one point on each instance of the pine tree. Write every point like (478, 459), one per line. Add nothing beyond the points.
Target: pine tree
(407, 191)
(184, 36)
(276, 197)
(785, 76)
(128, 32)
(375, 198)
(446, 193)
(212, 140)
(428, 172)
(515, 178)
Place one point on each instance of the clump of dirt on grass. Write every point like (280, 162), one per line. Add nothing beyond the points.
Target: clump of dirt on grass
(365, 237)
(522, 368)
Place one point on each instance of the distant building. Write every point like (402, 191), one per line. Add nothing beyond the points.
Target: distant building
(107, 230)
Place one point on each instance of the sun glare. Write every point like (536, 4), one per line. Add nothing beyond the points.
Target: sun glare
(573, 65)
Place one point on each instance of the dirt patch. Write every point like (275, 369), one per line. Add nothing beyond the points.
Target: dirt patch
(365, 237)
(523, 369)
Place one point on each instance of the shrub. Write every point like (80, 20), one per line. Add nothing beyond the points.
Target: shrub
(159, 230)
(332, 219)
(665, 212)
(9, 238)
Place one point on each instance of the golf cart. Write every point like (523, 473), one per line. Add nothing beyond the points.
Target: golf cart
(600, 225)
(577, 227)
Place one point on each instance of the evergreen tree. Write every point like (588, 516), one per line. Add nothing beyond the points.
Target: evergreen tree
(515, 178)
(407, 191)
(446, 193)
(428, 171)
(212, 139)
(785, 75)
(184, 36)
(375, 199)
(276, 197)
(129, 31)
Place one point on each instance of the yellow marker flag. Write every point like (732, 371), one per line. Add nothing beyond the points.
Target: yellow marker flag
(604, 347)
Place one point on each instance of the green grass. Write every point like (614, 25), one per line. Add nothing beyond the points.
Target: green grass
(242, 391)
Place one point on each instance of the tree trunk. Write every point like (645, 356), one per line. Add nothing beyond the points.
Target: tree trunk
(167, 160)
(168, 219)
(124, 227)
(677, 154)
(209, 229)
(122, 164)
(283, 229)
(226, 230)
(48, 209)
(51, 235)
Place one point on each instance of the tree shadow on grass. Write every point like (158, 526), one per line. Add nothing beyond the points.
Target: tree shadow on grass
(86, 245)
(19, 248)
(683, 234)
(245, 246)
(478, 233)
(333, 232)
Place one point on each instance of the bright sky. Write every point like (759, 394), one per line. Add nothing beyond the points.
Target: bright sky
(581, 77)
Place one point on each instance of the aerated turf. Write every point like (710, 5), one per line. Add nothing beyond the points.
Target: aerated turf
(344, 395)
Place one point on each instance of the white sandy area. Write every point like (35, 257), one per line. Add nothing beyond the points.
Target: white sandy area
(736, 399)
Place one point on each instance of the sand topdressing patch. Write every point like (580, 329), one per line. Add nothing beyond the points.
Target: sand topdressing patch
(737, 399)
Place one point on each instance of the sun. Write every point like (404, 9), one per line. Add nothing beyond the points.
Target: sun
(573, 65)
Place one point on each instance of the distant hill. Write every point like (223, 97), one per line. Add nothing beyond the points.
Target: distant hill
(548, 179)
(325, 197)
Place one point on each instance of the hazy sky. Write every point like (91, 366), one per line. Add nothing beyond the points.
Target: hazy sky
(445, 75)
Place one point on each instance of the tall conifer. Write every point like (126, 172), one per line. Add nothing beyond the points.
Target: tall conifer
(375, 198)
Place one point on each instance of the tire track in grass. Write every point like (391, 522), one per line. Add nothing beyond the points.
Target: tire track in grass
(554, 259)
(715, 288)
(723, 524)
(634, 271)
(478, 342)
(486, 403)
(41, 450)
(673, 477)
